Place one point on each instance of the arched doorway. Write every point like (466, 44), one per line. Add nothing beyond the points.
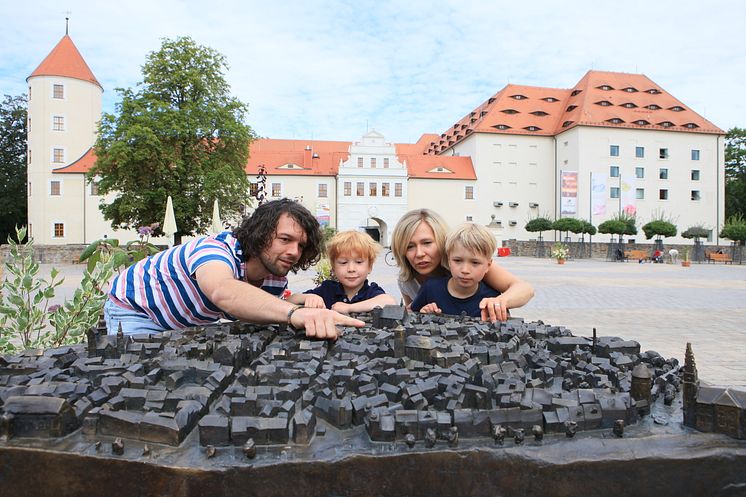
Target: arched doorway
(378, 230)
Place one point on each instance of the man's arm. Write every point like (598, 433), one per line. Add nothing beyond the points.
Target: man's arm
(253, 304)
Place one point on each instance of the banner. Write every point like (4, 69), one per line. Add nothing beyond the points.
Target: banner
(629, 204)
(323, 214)
(569, 193)
(598, 194)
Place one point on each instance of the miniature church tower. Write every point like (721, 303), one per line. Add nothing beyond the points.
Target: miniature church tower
(690, 387)
(64, 107)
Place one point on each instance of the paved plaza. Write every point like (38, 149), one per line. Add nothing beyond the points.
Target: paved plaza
(662, 306)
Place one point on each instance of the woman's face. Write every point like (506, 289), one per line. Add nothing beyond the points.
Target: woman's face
(422, 250)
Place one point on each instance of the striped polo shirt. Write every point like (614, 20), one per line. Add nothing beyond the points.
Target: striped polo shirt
(164, 287)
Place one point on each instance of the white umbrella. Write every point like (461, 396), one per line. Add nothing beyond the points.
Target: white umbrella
(169, 223)
(217, 225)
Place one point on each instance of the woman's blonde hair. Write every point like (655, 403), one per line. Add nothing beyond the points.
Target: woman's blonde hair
(404, 231)
(349, 242)
(472, 237)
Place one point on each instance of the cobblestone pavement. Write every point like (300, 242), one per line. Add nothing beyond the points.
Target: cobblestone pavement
(662, 306)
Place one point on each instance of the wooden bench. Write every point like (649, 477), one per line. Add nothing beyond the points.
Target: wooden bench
(715, 257)
(636, 255)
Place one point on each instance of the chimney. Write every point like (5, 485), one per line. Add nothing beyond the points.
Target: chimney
(307, 155)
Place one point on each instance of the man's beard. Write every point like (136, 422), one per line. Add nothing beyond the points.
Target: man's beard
(274, 269)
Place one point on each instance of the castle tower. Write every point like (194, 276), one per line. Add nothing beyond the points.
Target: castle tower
(64, 108)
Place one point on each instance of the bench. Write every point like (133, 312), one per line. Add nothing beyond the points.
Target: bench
(715, 257)
(636, 255)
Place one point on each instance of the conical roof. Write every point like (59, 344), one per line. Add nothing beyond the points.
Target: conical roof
(65, 60)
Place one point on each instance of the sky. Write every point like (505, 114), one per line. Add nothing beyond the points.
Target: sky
(331, 70)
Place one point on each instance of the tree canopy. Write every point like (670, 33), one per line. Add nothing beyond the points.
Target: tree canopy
(695, 232)
(734, 229)
(568, 224)
(735, 172)
(538, 224)
(13, 160)
(659, 228)
(178, 133)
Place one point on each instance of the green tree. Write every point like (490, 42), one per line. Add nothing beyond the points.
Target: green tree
(538, 224)
(13, 201)
(735, 172)
(695, 232)
(660, 228)
(179, 133)
(568, 224)
(735, 229)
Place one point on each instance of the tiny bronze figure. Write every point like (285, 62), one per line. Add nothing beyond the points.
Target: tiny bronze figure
(498, 434)
(430, 438)
(249, 448)
(518, 436)
(146, 450)
(410, 440)
(97, 445)
(452, 436)
(571, 428)
(210, 451)
(538, 432)
(117, 447)
(619, 428)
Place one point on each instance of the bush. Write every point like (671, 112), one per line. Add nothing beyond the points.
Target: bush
(612, 227)
(734, 229)
(659, 228)
(588, 228)
(538, 224)
(695, 232)
(568, 224)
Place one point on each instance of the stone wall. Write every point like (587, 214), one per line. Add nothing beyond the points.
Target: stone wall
(50, 254)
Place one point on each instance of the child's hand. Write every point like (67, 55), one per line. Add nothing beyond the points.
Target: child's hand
(314, 301)
(341, 307)
(431, 308)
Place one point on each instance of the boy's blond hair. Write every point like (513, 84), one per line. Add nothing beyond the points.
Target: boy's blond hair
(473, 237)
(349, 242)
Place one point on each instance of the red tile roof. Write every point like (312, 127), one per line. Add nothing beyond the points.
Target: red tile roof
(315, 158)
(607, 99)
(65, 60)
(81, 165)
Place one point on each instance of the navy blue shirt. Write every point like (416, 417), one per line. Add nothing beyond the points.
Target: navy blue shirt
(436, 290)
(333, 291)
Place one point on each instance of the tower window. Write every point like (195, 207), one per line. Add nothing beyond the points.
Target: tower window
(58, 155)
(58, 123)
(58, 91)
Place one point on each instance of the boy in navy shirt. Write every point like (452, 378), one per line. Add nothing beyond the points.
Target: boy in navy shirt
(352, 254)
(468, 256)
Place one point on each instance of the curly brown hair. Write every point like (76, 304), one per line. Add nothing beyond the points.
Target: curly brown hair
(257, 231)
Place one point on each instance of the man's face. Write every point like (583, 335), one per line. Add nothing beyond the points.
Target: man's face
(286, 248)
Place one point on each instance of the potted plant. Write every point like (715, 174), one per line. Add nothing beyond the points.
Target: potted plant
(560, 252)
(686, 262)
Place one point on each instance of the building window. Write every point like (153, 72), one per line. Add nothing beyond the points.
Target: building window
(639, 152)
(695, 195)
(385, 189)
(359, 162)
(58, 91)
(373, 162)
(373, 189)
(385, 162)
(640, 193)
(58, 123)
(28, 194)
(614, 150)
(469, 192)
(614, 171)
(348, 188)
(276, 189)
(360, 189)
(59, 230)
(323, 190)
(469, 219)
(640, 172)
(614, 192)
(695, 154)
(397, 190)
(663, 173)
(695, 174)
(253, 189)
(55, 188)
(663, 194)
(663, 153)
(94, 187)
(58, 155)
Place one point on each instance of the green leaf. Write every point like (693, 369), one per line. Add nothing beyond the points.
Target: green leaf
(89, 250)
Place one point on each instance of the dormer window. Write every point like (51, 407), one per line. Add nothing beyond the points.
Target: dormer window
(604, 103)
(490, 100)
(691, 126)
(666, 124)
(551, 100)
(501, 126)
(641, 122)
(653, 107)
(510, 111)
(532, 128)
(653, 91)
(676, 108)
(483, 113)
(567, 123)
(615, 120)
(575, 92)
(571, 108)
(519, 97)
(605, 87)
(540, 113)
(629, 105)
(630, 89)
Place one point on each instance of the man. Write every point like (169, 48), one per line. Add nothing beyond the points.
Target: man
(237, 275)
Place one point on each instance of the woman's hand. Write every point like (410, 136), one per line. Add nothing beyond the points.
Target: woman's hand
(494, 309)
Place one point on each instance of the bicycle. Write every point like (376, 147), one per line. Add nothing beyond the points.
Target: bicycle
(389, 258)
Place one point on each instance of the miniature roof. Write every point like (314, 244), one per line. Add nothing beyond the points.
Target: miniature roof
(65, 60)
(708, 395)
(607, 99)
(81, 165)
(730, 398)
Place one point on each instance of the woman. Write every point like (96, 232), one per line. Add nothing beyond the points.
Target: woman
(418, 243)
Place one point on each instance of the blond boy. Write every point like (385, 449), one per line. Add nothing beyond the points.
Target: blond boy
(352, 255)
(468, 257)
